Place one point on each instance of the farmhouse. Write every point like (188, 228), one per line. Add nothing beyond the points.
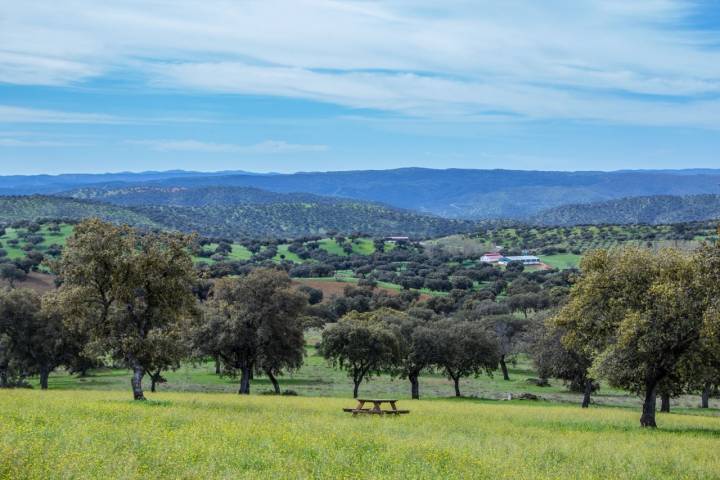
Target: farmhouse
(525, 259)
(491, 257)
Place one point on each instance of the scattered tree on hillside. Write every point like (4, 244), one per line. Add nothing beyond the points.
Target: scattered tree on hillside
(417, 346)
(639, 314)
(315, 295)
(132, 293)
(508, 332)
(362, 344)
(553, 359)
(33, 337)
(463, 349)
(11, 273)
(253, 324)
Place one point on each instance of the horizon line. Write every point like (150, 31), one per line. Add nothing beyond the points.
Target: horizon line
(299, 172)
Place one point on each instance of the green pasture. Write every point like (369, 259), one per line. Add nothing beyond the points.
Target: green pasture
(562, 261)
(49, 238)
(316, 378)
(103, 434)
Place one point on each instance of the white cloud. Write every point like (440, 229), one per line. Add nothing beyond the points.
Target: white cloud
(18, 143)
(14, 114)
(11, 114)
(601, 60)
(268, 147)
(38, 70)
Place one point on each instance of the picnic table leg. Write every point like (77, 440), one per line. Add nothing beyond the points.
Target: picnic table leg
(378, 407)
(360, 405)
(392, 405)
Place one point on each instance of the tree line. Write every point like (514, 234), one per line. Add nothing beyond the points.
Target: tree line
(136, 300)
(645, 321)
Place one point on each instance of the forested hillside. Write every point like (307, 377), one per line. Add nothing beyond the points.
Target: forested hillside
(35, 207)
(191, 197)
(293, 219)
(278, 219)
(655, 210)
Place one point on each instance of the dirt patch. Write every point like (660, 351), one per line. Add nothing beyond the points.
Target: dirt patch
(329, 288)
(40, 282)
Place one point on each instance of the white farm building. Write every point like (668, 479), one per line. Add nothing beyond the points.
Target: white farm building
(525, 259)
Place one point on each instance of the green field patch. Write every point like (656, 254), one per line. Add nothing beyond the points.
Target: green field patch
(285, 254)
(562, 261)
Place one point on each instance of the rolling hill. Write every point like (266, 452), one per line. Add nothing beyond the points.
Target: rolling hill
(36, 207)
(284, 217)
(655, 210)
(192, 196)
(452, 193)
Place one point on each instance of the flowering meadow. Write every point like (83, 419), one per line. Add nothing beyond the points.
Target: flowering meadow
(104, 434)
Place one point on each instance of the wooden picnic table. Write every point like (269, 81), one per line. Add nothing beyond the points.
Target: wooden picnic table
(377, 407)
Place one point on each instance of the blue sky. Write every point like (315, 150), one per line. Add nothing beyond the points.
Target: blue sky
(304, 85)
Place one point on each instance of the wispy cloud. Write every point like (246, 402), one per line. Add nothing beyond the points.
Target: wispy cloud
(31, 139)
(601, 60)
(18, 143)
(12, 114)
(269, 147)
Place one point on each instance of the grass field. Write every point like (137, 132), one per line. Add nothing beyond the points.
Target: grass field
(49, 238)
(562, 261)
(360, 246)
(72, 434)
(316, 378)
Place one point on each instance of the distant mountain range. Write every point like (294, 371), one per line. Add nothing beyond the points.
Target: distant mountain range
(658, 209)
(48, 184)
(451, 193)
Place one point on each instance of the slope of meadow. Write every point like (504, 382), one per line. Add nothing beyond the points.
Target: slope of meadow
(69, 434)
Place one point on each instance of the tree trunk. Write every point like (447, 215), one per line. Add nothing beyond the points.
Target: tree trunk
(3, 378)
(456, 381)
(356, 387)
(245, 381)
(647, 419)
(44, 374)
(273, 380)
(136, 382)
(705, 399)
(217, 366)
(586, 393)
(414, 386)
(504, 368)
(665, 403)
(153, 382)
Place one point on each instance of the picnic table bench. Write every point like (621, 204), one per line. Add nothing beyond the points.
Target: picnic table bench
(377, 407)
